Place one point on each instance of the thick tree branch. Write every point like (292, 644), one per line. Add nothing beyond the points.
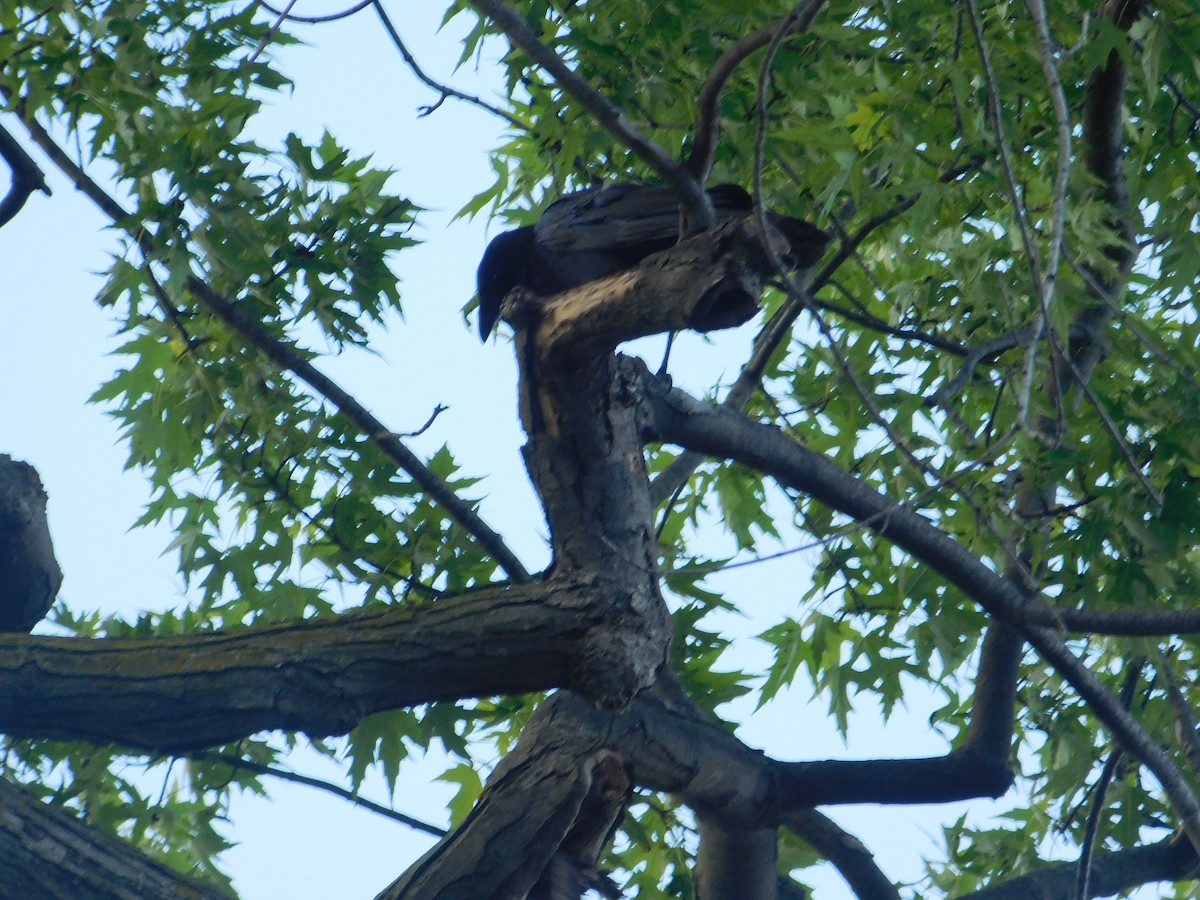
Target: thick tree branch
(735, 862)
(721, 778)
(677, 418)
(1104, 156)
(853, 861)
(1126, 622)
(49, 853)
(319, 676)
(294, 361)
(1114, 871)
(509, 844)
(993, 711)
(26, 177)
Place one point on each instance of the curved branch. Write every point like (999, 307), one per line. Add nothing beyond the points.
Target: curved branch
(1114, 871)
(319, 676)
(695, 201)
(706, 128)
(444, 89)
(289, 16)
(854, 862)
(26, 177)
(677, 418)
(294, 361)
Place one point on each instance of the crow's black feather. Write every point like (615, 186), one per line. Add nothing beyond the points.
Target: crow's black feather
(592, 234)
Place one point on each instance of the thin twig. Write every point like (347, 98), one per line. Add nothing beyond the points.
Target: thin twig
(237, 762)
(26, 177)
(1062, 118)
(272, 30)
(1114, 433)
(1186, 727)
(976, 355)
(437, 411)
(1107, 773)
(444, 89)
(706, 128)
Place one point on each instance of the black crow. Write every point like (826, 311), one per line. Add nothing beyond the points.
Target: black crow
(592, 234)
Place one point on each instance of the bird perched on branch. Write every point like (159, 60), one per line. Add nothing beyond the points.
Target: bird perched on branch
(595, 233)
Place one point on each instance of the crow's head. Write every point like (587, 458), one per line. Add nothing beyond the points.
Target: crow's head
(502, 268)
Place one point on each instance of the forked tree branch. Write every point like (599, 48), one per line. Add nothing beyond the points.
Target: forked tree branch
(706, 129)
(678, 418)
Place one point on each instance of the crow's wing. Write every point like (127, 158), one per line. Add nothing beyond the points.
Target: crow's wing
(609, 219)
(617, 218)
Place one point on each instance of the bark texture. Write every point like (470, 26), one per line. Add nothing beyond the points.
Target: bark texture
(74, 860)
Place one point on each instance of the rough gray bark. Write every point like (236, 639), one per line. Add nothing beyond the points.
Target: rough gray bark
(74, 860)
(735, 862)
(319, 676)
